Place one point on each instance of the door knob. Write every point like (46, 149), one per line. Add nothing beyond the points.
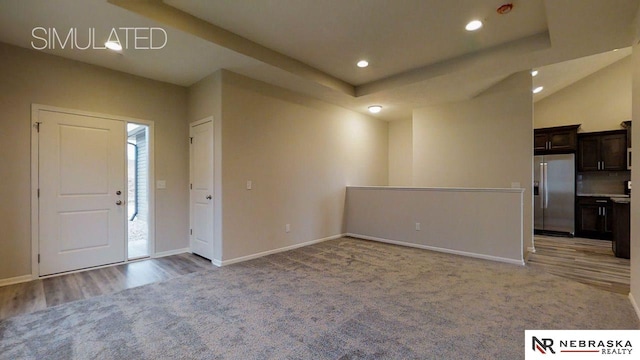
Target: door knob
(119, 202)
(118, 192)
(209, 197)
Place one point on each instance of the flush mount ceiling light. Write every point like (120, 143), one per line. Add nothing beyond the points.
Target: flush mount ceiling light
(534, 72)
(113, 45)
(538, 89)
(362, 63)
(473, 25)
(374, 109)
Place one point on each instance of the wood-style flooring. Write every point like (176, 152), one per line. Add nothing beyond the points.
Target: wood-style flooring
(43, 293)
(587, 261)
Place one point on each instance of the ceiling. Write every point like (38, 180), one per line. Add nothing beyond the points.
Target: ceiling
(418, 50)
(556, 77)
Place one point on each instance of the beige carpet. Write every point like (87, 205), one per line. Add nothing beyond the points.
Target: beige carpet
(341, 299)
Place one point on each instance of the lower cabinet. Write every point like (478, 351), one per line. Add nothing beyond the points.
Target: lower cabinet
(594, 218)
(621, 229)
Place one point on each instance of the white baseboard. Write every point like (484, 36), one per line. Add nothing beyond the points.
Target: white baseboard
(216, 262)
(274, 251)
(635, 305)
(171, 252)
(443, 250)
(16, 280)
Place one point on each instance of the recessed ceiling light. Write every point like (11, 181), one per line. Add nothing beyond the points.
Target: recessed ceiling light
(362, 63)
(538, 89)
(534, 72)
(473, 25)
(504, 8)
(374, 109)
(113, 45)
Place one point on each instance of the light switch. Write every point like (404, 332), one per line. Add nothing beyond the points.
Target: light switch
(249, 185)
(161, 184)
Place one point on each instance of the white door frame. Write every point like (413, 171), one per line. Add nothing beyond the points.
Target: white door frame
(35, 176)
(215, 193)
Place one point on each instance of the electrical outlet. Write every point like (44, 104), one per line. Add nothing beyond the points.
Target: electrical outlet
(417, 226)
(287, 228)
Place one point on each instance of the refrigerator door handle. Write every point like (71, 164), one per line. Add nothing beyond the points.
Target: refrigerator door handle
(542, 185)
(546, 190)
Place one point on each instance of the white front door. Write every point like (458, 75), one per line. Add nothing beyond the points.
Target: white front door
(202, 188)
(82, 191)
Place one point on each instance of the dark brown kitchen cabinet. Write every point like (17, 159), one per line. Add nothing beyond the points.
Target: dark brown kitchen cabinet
(594, 218)
(627, 126)
(560, 139)
(621, 229)
(602, 151)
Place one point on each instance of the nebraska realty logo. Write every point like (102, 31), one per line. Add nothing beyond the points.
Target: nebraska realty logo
(581, 344)
(138, 38)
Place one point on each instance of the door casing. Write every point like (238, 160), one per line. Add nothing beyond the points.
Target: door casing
(35, 176)
(192, 221)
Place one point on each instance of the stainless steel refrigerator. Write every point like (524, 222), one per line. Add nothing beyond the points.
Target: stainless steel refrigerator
(554, 193)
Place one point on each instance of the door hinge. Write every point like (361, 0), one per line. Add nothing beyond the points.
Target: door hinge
(190, 140)
(37, 126)
(190, 231)
(38, 192)
(38, 258)
(191, 186)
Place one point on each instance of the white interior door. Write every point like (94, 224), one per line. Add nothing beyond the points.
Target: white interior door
(202, 189)
(82, 191)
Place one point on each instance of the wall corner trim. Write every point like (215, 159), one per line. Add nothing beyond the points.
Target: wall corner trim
(274, 251)
(519, 262)
(16, 280)
(635, 305)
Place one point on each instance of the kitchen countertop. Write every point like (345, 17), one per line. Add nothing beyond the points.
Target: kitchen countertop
(621, 200)
(621, 196)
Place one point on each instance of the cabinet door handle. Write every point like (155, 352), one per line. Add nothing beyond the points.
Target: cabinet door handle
(604, 211)
(599, 211)
(602, 164)
(601, 201)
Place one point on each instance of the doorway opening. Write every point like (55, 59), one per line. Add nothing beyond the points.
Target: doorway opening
(137, 190)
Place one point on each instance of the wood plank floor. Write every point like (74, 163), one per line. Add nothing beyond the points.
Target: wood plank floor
(587, 261)
(43, 293)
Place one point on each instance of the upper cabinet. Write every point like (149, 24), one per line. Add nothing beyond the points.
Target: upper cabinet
(561, 139)
(627, 125)
(602, 151)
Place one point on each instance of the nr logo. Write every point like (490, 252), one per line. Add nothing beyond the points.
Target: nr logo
(543, 345)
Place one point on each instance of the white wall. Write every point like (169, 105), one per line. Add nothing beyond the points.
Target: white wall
(300, 154)
(486, 142)
(401, 153)
(635, 177)
(483, 223)
(29, 77)
(600, 101)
